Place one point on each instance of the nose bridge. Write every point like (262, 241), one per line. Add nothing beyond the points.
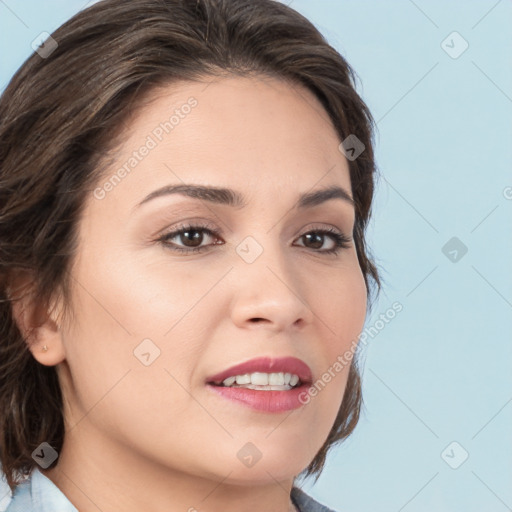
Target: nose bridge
(268, 287)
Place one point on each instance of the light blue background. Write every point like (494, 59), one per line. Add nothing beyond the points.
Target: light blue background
(441, 370)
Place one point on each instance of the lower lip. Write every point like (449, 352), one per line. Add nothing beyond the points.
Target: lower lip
(267, 401)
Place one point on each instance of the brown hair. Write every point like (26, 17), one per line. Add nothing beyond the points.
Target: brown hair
(60, 116)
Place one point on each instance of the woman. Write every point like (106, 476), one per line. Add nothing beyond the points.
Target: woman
(185, 191)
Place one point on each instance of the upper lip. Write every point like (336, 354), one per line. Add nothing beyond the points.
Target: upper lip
(266, 365)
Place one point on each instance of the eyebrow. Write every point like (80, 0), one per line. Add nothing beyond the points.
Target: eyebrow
(233, 198)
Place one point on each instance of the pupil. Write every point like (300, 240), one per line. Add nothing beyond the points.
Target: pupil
(318, 242)
(198, 237)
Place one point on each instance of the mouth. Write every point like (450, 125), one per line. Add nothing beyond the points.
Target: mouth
(265, 374)
(265, 385)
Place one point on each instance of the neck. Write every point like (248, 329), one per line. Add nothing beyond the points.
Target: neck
(101, 476)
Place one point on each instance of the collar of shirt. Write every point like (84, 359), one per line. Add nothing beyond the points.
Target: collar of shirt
(39, 494)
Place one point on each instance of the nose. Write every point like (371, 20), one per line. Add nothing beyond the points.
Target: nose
(270, 293)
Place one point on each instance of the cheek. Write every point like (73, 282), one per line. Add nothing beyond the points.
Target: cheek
(342, 306)
(137, 295)
(109, 382)
(122, 302)
(357, 301)
(341, 315)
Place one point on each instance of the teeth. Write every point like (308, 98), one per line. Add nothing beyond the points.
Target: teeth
(229, 381)
(276, 379)
(269, 380)
(264, 388)
(257, 379)
(243, 379)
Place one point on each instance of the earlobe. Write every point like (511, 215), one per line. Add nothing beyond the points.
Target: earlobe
(38, 326)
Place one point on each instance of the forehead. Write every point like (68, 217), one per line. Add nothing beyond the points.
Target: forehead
(254, 133)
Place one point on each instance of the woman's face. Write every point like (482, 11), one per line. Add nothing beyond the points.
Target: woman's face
(154, 318)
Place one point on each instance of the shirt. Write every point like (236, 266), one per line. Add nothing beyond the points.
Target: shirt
(39, 494)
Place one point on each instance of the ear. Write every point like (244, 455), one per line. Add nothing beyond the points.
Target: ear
(38, 324)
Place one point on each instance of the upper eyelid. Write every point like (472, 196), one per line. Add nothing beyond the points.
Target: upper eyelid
(194, 210)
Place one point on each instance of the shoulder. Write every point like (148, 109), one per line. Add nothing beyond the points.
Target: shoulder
(39, 494)
(306, 503)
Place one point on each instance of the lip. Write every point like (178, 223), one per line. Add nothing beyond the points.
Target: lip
(264, 401)
(266, 365)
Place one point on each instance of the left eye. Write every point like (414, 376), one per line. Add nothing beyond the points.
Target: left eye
(193, 236)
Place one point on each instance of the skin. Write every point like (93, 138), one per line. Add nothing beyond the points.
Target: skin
(155, 437)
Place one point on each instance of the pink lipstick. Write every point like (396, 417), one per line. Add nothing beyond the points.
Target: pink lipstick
(267, 400)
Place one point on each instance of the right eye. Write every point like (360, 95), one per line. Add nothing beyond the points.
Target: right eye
(189, 233)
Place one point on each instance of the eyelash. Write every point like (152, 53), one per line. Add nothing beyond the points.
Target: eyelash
(341, 241)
